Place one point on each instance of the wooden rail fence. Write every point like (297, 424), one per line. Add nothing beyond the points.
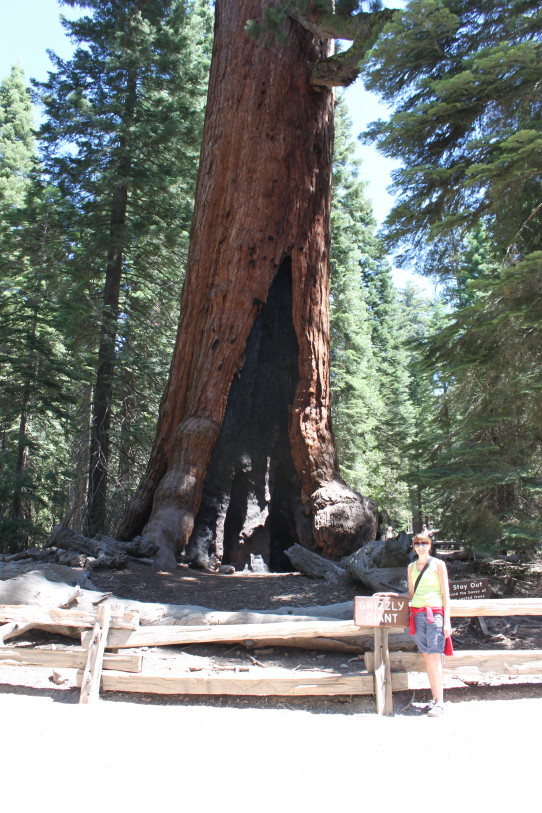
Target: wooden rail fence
(385, 671)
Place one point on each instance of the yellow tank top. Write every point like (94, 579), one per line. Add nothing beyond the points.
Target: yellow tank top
(429, 592)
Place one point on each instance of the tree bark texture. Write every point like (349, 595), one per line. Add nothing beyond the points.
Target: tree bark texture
(96, 518)
(101, 404)
(244, 459)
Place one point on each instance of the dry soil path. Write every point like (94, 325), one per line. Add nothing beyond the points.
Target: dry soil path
(167, 754)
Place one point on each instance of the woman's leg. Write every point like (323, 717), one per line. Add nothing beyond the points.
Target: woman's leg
(433, 665)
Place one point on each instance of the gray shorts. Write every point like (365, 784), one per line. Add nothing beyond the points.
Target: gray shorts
(429, 637)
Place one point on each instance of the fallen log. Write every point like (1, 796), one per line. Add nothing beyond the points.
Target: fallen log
(313, 565)
(354, 646)
(101, 551)
(30, 554)
(43, 571)
(391, 552)
(376, 579)
(35, 590)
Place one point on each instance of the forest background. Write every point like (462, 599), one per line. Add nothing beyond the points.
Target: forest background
(436, 399)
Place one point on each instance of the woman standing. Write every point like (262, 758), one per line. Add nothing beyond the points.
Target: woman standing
(429, 596)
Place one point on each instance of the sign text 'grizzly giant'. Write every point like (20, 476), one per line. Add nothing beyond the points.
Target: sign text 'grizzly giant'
(381, 611)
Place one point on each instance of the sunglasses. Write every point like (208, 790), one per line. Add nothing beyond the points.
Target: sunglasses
(421, 544)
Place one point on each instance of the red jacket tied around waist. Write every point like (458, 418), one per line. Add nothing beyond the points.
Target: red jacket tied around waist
(431, 612)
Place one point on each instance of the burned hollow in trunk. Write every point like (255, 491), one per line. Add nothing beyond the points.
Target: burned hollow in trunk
(250, 501)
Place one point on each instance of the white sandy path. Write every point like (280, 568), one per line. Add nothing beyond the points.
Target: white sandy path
(485, 755)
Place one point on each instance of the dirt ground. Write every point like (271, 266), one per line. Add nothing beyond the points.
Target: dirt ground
(270, 755)
(272, 591)
(141, 752)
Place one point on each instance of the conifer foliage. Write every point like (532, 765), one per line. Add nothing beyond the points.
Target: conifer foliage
(35, 368)
(93, 241)
(17, 143)
(373, 375)
(355, 402)
(464, 77)
(121, 138)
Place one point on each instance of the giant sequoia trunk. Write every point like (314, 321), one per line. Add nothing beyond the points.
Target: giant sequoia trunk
(244, 459)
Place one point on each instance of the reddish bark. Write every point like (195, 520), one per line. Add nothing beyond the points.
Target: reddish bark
(262, 204)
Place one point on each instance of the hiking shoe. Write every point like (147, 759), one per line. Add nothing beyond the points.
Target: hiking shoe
(428, 706)
(436, 710)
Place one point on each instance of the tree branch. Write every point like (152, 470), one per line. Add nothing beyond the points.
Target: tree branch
(362, 29)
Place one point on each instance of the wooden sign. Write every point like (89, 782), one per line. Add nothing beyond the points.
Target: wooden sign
(381, 611)
(474, 588)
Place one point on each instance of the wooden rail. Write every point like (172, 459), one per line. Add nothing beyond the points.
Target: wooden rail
(275, 682)
(73, 658)
(490, 607)
(384, 672)
(16, 619)
(78, 619)
(500, 662)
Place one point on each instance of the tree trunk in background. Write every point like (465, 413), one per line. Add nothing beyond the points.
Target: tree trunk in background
(103, 388)
(244, 460)
(96, 518)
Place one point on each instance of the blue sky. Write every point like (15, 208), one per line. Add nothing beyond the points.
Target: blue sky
(30, 27)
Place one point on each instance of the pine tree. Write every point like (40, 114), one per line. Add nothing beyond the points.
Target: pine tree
(355, 400)
(463, 77)
(33, 370)
(37, 368)
(483, 469)
(467, 126)
(17, 142)
(121, 139)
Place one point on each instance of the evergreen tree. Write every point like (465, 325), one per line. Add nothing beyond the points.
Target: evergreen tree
(467, 126)
(121, 138)
(397, 420)
(371, 376)
(483, 469)
(33, 371)
(355, 400)
(37, 366)
(463, 77)
(476, 262)
(422, 319)
(17, 143)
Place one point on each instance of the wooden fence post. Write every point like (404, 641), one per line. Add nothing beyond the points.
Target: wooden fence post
(382, 672)
(90, 687)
